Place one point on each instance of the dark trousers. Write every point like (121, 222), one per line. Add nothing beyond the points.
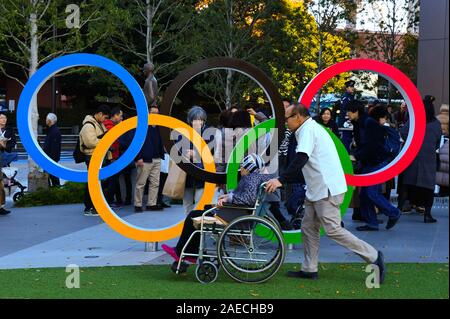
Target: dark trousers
(371, 196)
(87, 197)
(53, 181)
(228, 215)
(126, 172)
(402, 191)
(276, 212)
(188, 229)
(113, 189)
(421, 196)
(296, 199)
(347, 137)
(162, 181)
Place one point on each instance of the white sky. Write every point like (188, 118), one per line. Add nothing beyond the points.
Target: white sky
(378, 11)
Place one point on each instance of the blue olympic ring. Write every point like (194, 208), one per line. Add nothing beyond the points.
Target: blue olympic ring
(43, 75)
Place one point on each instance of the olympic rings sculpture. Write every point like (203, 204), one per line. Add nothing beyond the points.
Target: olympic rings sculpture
(95, 173)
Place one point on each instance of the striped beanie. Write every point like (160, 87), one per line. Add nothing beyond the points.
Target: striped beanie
(253, 163)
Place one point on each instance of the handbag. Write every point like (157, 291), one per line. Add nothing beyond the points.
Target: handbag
(175, 182)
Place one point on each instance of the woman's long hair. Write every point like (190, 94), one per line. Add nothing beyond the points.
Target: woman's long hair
(429, 108)
(240, 119)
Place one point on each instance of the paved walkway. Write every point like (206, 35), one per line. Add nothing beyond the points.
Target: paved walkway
(56, 236)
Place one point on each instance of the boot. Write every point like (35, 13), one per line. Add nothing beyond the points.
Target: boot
(427, 218)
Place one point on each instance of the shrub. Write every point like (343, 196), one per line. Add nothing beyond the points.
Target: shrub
(69, 193)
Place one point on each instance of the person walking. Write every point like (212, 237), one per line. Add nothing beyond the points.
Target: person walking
(194, 187)
(318, 159)
(349, 96)
(92, 131)
(402, 116)
(148, 165)
(370, 152)
(391, 116)
(52, 145)
(124, 141)
(420, 176)
(113, 194)
(162, 181)
(7, 144)
(443, 168)
(443, 119)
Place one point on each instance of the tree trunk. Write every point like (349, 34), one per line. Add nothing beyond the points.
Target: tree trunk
(149, 40)
(36, 177)
(319, 69)
(228, 97)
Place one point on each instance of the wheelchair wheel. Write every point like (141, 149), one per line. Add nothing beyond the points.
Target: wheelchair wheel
(18, 196)
(206, 272)
(251, 249)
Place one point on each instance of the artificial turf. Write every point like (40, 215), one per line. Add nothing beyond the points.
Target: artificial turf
(404, 281)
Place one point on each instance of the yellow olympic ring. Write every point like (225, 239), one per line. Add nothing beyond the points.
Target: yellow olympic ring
(95, 190)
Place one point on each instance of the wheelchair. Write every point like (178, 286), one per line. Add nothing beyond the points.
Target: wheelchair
(250, 249)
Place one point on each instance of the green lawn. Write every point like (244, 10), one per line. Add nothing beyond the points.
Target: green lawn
(336, 281)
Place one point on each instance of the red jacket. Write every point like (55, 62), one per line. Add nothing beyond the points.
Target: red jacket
(115, 146)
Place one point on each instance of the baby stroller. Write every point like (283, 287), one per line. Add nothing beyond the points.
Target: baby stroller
(9, 173)
(250, 249)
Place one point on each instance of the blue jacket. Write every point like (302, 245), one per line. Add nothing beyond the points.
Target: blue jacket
(369, 138)
(346, 99)
(153, 146)
(52, 143)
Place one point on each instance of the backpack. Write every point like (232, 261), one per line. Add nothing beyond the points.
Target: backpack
(392, 142)
(78, 155)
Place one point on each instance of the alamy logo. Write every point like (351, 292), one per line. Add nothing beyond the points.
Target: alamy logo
(73, 279)
(373, 279)
(73, 19)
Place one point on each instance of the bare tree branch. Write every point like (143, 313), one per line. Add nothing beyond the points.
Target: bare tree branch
(2, 70)
(45, 9)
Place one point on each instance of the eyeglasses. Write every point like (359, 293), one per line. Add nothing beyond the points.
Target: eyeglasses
(287, 118)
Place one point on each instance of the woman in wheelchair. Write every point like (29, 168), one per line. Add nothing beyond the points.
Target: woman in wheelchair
(244, 195)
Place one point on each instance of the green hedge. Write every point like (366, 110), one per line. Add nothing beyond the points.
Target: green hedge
(69, 193)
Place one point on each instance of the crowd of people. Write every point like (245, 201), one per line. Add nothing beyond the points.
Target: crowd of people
(308, 167)
(368, 131)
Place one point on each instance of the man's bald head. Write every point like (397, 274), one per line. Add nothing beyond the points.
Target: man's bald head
(295, 116)
(149, 68)
(289, 110)
(297, 108)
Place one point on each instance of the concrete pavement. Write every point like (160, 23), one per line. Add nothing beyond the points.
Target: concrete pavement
(56, 236)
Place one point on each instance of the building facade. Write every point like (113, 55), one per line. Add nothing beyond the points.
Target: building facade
(433, 62)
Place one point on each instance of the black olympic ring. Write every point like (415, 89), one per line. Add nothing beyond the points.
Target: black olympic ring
(203, 66)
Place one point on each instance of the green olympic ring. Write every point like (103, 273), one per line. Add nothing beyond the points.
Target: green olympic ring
(294, 236)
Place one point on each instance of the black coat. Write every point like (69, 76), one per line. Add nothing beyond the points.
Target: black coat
(422, 171)
(332, 125)
(369, 138)
(153, 147)
(346, 99)
(191, 181)
(52, 143)
(8, 133)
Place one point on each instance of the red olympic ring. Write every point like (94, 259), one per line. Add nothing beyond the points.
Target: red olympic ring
(415, 107)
